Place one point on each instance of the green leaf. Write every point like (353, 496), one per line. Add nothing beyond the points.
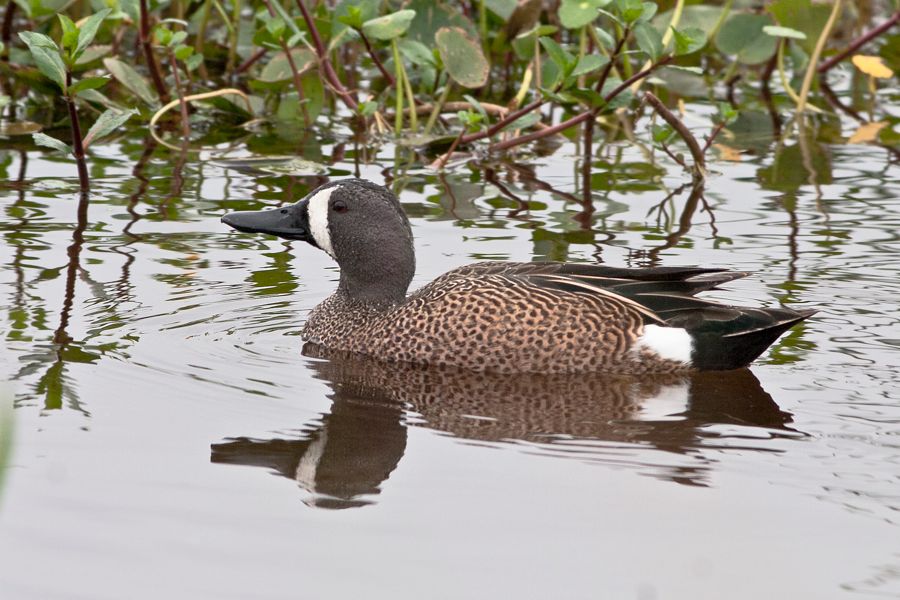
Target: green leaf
(606, 40)
(279, 69)
(353, 19)
(88, 30)
(589, 63)
(106, 123)
(588, 97)
(662, 133)
(524, 122)
(290, 108)
(416, 53)
(692, 70)
(193, 61)
(177, 38)
(367, 108)
(621, 99)
(803, 16)
(42, 139)
(88, 83)
(183, 52)
(563, 58)
(70, 32)
(725, 113)
(742, 35)
(91, 54)
(631, 10)
(648, 40)
(276, 26)
(575, 14)
(462, 57)
(389, 26)
(477, 105)
(785, 32)
(131, 79)
(45, 53)
(162, 35)
(689, 40)
(649, 12)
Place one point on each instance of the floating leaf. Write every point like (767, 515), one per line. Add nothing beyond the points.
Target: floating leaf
(575, 14)
(648, 40)
(19, 127)
(45, 140)
(88, 30)
(742, 35)
(106, 123)
(872, 65)
(276, 165)
(279, 69)
(462, 57)
(131, 79)
(867, 132)
(389, 26)
(785, 32)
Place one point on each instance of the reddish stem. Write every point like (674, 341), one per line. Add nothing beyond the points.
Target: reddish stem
(322, 51)
(155, 75)
(77, 144)
(582, 117)
(858, 43)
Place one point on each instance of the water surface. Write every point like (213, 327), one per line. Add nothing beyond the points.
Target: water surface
(172, 440)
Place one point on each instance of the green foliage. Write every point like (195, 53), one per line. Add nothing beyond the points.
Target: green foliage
(743, 35)
(390, 26)
(575, 14)
(462, 57)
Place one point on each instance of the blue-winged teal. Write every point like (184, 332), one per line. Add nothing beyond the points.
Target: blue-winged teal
(541, 317)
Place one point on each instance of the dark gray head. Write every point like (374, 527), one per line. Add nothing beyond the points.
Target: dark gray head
(359, 224)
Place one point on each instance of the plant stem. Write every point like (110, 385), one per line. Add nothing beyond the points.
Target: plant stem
(146, 44)
(233, 35)
(384, 72)
(685, 133)
(413, 123)
(859, 43)
(667, 36)
(817, 52)
(201, 35)
(436, 110)
(185, 123)
(252, 60)
(6, 31)
(398, 91)
(322, 52)
(77, 144)
(785, 82)
(582, 117)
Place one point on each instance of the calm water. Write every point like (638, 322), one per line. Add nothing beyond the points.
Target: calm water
(170, 440)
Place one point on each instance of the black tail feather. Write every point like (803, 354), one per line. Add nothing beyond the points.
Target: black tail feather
(732, 344)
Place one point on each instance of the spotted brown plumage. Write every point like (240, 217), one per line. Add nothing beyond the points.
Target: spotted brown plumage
(508, 317)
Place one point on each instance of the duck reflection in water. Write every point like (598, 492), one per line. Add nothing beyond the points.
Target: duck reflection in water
(344, 458)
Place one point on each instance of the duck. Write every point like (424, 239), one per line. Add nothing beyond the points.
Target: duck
(508, 317)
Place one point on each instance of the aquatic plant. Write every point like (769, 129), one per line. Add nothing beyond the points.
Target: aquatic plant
(511, 72)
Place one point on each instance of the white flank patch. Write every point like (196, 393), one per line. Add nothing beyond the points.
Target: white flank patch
(670, 343)
(668, 404)
(318, 219)
(309, 463)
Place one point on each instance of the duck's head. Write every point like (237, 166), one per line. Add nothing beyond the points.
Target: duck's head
(358, 223)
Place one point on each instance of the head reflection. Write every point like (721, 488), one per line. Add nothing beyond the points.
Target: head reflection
(344, 458)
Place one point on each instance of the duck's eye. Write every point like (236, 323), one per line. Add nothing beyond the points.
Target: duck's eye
(339, 206)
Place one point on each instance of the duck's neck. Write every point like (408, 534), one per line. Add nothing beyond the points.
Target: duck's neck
(378, 285)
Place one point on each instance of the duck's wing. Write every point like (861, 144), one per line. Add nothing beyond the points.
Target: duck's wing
(723, 336)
